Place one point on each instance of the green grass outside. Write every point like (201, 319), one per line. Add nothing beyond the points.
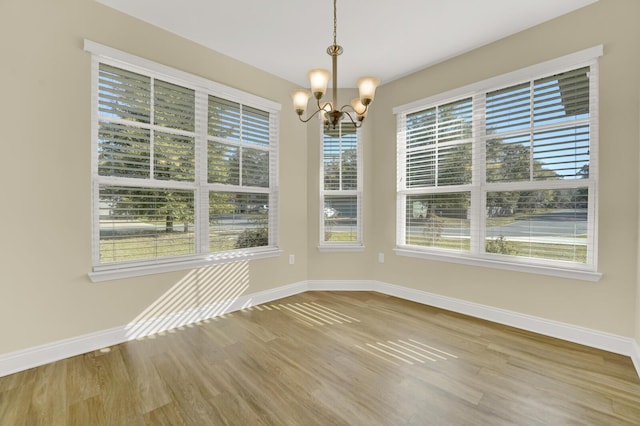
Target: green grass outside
(340, 236)
(522, 249)
(183, 243)
(161, 245)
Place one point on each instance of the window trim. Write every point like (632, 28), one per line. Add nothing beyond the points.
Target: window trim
(204, 88)
(588, 272)
(342, 246)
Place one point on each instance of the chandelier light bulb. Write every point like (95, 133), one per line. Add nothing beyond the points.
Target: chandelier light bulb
(359, 108)
(367, 87)
(300, 99)
(319, 79)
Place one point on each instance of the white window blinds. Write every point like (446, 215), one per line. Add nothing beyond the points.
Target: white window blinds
(340, 190)
(539, 130)
(506, 173)
(180, 172)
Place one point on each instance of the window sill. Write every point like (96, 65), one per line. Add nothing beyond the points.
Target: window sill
(340, 248)
(577, 274)
(114, 272)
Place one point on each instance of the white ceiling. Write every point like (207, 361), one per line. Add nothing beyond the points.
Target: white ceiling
(388, 39)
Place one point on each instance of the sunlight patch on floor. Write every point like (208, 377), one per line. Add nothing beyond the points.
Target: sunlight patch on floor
(408, 351)
(314, 313)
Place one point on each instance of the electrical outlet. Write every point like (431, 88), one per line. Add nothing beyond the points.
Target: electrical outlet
(381, 257)
(292, 259)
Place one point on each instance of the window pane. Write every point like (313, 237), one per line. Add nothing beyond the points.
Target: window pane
(340, 218)
(454, 121)
(441, 166)
(224, 118)
(548, 224)
(145, 223)
(421, 168)
(454, 165)
(255, 167)
(340, 157)
(223, 164)
(509, 159)
(438, 220)
(421, 128)
(562, 98)
(123, 94)
(438, 145)
(255, 126)
(123, 151)
(238, 220)
(174, 157)
(174, 106)
(508, 110)
(561, 153)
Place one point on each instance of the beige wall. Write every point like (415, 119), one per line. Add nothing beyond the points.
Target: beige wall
(608, 305)
(45, 294)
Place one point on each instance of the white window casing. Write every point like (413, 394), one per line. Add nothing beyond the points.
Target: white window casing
(184, 170)
(503, 173)
(341, 188)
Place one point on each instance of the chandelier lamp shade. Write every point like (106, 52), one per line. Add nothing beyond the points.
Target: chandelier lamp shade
(319, 80)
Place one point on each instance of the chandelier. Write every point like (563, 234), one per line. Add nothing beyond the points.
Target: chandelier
(319, 79)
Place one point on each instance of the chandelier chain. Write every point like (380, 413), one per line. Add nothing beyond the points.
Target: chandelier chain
(335, 22)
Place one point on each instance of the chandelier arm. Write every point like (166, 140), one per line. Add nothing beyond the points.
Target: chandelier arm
(310, 117)
(324, 106)
(366, 107)
(356, 124)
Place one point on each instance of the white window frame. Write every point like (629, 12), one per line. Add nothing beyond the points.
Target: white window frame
(344, 246)
(203, 88)
(479, 188)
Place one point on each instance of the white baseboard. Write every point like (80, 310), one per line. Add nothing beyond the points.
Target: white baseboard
(635, 356)
(21, 360)
(14, 362)
(572, 333)
(340, 285)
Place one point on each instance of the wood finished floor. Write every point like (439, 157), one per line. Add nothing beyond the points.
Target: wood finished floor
(331, 358)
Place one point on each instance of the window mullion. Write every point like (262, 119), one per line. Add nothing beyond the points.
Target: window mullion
(436, 148)
(359, 181)
(340, 155)
(401, 179)
(478, 178)
(531, 127)
(201, 198)
(152, 130)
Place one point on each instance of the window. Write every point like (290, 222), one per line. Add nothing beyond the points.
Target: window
(184, 169)
(341, 188)
(504, 172)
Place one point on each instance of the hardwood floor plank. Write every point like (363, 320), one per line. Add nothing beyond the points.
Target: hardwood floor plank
(116, 391)
(87, 412)
(339, 358)
(81, 381)
(49, 397)
(167, 415)
(15, 405)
